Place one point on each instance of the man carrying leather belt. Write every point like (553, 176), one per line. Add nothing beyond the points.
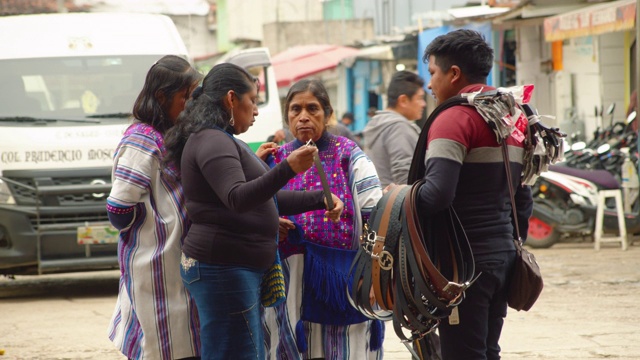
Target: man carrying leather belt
(465, 170)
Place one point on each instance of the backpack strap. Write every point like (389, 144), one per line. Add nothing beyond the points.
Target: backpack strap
(417, 169)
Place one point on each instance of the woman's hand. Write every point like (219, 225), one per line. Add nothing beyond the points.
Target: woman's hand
(265, 149)
(302, 158)
(284, 225)
(338, 206)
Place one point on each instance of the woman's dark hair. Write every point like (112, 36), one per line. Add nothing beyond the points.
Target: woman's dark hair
(316, 88)
(166, 77)
(465, 48)
(206, 109)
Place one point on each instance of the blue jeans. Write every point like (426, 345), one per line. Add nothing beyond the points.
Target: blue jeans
(228, 301)
(481, 313)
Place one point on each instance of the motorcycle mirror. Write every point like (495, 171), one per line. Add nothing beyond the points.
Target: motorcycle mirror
(580, 145)
(631, 117)
(611, 108)
(603, 148)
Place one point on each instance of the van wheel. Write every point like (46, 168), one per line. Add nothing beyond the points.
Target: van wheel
(541, 235)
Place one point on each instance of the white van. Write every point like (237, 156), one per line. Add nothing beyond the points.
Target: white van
(258, 62)
(67, 87)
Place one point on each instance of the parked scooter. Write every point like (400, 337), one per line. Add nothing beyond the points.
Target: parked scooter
(565, 198)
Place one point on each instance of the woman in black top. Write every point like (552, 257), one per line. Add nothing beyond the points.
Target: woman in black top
(233, 201)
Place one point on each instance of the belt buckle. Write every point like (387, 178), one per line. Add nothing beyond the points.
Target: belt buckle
(385, 259)
(461, 287)
(370, 242)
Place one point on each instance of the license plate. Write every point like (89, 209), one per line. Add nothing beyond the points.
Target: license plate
(97, 234)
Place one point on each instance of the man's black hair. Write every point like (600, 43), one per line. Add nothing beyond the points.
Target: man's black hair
(403, 83)
(348, 115)
(465, 48)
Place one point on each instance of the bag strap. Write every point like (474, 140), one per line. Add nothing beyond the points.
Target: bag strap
(507, 167)
(417, 169)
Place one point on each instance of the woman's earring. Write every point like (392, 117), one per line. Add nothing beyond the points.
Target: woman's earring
(231, 121)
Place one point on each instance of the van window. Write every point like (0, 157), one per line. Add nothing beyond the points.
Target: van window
(70, 88)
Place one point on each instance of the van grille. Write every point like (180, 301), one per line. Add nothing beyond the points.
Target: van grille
(25, 196)
(67, 219)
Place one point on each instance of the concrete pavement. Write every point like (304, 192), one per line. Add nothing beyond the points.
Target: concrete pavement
(589, 308)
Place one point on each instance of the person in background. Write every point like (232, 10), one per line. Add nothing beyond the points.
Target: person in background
(465, 169)
(392, 134)
(371, 113)
(338, 128)
(347, 119)
(154, 317)
(280, 136)
(233, 200)
(309, 244)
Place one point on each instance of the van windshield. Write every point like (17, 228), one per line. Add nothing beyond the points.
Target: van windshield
(100, 87)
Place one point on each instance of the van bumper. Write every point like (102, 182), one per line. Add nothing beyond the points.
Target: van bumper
(27, 247)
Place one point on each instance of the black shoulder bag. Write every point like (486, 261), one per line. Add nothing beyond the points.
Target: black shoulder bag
(526, 278)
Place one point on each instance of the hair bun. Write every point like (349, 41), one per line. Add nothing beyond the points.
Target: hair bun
(196, 93)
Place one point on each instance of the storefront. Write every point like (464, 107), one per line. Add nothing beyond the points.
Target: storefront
(592, 52)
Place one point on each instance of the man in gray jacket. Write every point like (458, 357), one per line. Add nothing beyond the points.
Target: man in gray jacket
(392, 134)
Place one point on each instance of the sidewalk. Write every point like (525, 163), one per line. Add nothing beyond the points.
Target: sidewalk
(589, 308)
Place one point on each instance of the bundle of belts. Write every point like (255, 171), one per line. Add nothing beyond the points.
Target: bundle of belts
(417, 268)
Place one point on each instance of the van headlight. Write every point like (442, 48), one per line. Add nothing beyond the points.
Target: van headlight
(5, 194)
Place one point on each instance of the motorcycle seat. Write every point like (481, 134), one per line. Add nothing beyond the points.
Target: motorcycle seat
(602, 178)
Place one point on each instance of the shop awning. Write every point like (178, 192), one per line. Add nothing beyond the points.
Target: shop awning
(299, 62)
(475, 11)
(377, 52)
(591, 20)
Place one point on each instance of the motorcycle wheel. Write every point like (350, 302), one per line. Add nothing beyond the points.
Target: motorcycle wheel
(541, 235)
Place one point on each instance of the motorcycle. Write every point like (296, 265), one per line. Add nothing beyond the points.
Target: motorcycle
(565, 197)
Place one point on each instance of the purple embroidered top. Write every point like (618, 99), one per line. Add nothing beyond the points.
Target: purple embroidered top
(340, 158)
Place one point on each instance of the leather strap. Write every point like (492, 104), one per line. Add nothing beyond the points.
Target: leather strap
(507, 168)
(378, 254)
(382, 259)
(418, 168)
(393, 235)
(361, 267)
(414, 292)
(445, 289)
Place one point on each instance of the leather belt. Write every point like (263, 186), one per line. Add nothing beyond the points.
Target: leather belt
(383, 258)
(361, 267)
(395, 262)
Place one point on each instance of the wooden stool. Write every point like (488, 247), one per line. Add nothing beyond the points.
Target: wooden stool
(599, 236)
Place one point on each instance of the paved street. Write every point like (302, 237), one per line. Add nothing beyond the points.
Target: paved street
(588, 310)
